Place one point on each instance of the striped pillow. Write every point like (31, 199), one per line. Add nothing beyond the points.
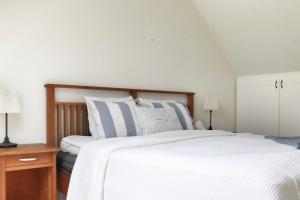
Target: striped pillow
(155, 120)
(92, 122)
(113, 119)
(181, 111)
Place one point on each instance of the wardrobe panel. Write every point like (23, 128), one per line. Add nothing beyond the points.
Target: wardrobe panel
(290, 105)
(258, 105)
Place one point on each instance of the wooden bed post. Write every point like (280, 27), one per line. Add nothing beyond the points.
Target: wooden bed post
(50, 110)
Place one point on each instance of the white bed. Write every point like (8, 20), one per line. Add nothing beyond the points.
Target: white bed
(186, 165)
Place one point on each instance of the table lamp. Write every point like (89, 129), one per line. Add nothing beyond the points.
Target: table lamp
(8, 104)
(211, 104)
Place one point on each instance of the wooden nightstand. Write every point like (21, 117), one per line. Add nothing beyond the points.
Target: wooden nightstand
(28, 172)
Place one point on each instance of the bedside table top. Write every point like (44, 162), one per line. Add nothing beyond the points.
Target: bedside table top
(28, 149)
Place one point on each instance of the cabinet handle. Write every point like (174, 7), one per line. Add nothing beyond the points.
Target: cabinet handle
(281, 84)
(28, 159)
(276, 86)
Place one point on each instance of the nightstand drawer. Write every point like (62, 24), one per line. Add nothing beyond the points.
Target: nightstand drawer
(28, 159)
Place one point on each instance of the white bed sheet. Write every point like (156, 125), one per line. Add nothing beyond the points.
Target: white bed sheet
(73, 144)
(187, 165)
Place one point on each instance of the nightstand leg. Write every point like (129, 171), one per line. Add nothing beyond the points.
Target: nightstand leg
(2, 179)
(52, 180)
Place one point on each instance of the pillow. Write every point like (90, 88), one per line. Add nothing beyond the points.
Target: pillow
(92, 122)
(155, 120)
(113, 119)
(183, 114)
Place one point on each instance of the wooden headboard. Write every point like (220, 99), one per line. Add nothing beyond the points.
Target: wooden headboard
(70, 118)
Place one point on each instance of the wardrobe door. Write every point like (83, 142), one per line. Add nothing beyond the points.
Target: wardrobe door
(258, 105)
(290, 105)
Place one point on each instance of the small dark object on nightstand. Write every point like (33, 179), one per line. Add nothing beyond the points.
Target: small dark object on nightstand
(6, 143)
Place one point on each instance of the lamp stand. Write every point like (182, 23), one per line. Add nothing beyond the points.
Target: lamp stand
(6, 143)
(210, 126)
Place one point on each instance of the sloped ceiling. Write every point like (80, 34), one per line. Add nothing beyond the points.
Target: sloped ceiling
(256, 36)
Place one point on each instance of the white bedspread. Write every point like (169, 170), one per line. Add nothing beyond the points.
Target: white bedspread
(186, 165)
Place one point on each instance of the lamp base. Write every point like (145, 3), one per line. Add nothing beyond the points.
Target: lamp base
(6, 144)
(210, 128)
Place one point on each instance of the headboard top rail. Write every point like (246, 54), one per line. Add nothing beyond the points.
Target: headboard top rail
(116, 89)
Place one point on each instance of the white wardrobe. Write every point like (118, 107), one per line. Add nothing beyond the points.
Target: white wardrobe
(269, 104)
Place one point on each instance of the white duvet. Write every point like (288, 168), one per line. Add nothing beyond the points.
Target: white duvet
(186, 165)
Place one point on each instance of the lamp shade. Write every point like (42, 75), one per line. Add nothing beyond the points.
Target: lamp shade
(211, 103)
(9, 102)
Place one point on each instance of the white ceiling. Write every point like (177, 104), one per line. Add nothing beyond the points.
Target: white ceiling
(256, 36)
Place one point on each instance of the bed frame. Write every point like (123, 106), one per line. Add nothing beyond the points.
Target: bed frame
(70, 118)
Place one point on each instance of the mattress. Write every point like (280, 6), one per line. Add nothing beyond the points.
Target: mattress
(72, 144)
(66, 161)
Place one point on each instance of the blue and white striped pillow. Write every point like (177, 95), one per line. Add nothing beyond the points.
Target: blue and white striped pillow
(113, 119)
(181, 111)
(92, 123)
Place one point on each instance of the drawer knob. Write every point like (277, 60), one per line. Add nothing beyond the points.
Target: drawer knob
(28, 159)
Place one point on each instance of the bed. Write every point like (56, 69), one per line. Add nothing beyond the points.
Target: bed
(172, 165)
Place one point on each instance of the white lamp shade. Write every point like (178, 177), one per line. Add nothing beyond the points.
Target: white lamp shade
(211, 103)
(9, 102)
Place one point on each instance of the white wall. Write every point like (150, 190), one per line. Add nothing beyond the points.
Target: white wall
(157, 44)
(256, 36)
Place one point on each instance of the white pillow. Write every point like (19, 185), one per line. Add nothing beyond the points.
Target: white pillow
(92, 122)
(113, 119)
(155, 120)
(182, 113)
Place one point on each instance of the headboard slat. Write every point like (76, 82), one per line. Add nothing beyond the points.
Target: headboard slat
(66, 121)
(71, 118)
(85, 120)
(78, 120)
(58, 123)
